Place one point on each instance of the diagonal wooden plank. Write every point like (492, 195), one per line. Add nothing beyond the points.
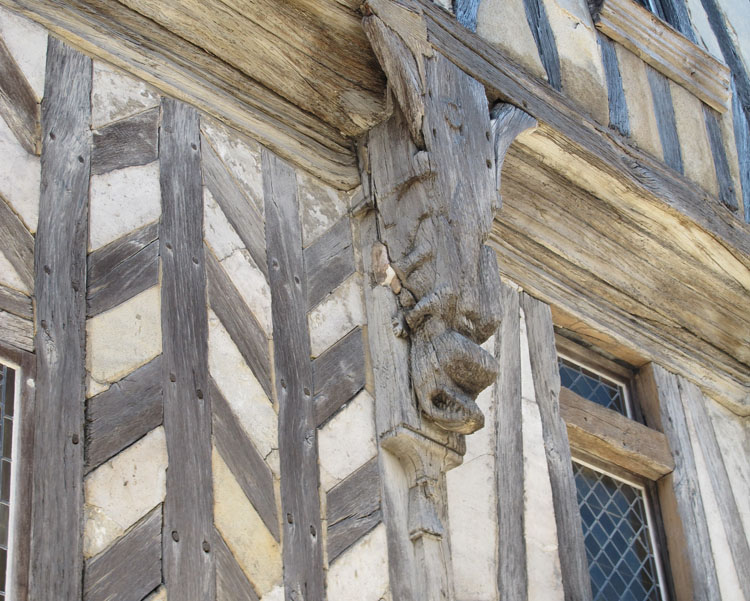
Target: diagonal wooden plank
(18, 244)
(17, 331)
(130, 568)
(329, 261)
(244, 461)
(132, 141)
(106, 258)
(16, 303)
(18, 104)
(338, 374)
(353, 508)
(231, 582)
(121, 415)
(237, 208)
(239, 321)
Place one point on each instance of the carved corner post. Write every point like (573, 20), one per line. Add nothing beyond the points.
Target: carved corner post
(433, 171)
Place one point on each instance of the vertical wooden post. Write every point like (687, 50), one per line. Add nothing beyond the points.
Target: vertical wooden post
(298, 444)
(188, 559)
(60, 288)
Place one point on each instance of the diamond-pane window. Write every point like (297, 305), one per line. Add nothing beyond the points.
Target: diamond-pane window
(592, 386)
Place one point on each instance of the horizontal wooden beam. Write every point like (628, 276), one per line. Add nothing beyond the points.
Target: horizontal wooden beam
(612, 437)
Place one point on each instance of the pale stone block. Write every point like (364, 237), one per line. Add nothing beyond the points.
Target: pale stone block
(697, 159)
(320, 206)
(275, 594)
(336, 315)
(115, 95)
(347, 441)
(482, 442)
(159, 594)
(361, 573)
(9, 276)
(241, 388)
(217, 231)
(125, 337)
(123, 490)
(252, 286)
(241, 155)
(527, 377)
(20, 176)
(581, 66)
(121, 201)
(252, 545)
(643, 128)
(27, 43)
(503, 23)
(703, 30)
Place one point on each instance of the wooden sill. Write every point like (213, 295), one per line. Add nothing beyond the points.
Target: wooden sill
(666, 50)
(613, 438)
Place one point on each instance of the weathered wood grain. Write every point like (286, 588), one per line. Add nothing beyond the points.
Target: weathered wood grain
(618, 108)
(18, 244)
(682, 507)
(188, 562)
(742, 140)
(17, 331)
(60, 290)
(123, 281)
(541, 336)
(238, 209)
(695, 410)
(329, 261)
(727, 194)
(119, 416)
(239, 322)
(131, 568)
(244, 461)
(353, 508)
(298, 449)
(16, 303)
(338, 374)
(108, 257)
(536, 15)
(466, 13)
(509, 473)
(665, 118)
(18, 104)
(675, 12)
(132, 141)
(231, 582)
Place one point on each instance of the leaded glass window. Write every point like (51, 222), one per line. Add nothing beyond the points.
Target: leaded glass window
(593, 386)
(7, 410)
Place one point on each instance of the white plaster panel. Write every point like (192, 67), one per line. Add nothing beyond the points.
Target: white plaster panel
(252, 286)
(115, 95)
(125, 337)
(27, 43)
(20, 175)
(347, 441)
(336, 315)
(241, 155)
(9, 276)
(120, 492)
(320, 206)
(121, 201)
(217, 231)
(275, 594)
(240, 388)
(361, 573)
(703, 29)
(252, 545)
(737, 20)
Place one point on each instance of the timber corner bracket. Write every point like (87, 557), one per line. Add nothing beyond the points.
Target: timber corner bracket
(434, 174)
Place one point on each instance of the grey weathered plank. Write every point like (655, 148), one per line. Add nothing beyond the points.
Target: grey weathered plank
(353, 508)
(727, 193)
(239, 322)
(188, 508)
(231, 582)
(573, 563)
(18, 105)
(298, 449)
(60, 290)
(742, 140)
(536, 15)
(17, 331)
(123, 281)
(338, 374)
(695, 410)
(237, 208)
(127, 143)
(618, 108)
(108, 257)
(244, 461)
(131, 568)
(675, 12)
(329, 261)
(125, 412)
(16, 303)
(509, 475)
(18, 244)
(466, 13)
(665, 118)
